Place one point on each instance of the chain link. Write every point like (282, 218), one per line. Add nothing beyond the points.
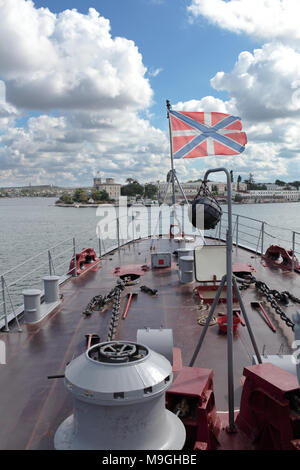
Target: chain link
(115, 316)
(273, 296)
(99, 301)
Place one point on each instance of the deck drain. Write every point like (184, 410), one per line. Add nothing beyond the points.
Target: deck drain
(130, 279)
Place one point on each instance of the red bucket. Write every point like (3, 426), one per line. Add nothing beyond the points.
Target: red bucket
(222, 321)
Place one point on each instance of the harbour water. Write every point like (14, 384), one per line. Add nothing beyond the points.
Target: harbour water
(30, 226)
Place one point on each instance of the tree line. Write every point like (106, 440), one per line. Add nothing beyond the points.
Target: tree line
(132, 189)
(83, 197)
(252, 184)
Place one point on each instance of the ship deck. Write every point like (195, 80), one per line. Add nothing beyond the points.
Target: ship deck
(32, 406)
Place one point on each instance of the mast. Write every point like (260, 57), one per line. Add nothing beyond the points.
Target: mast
(171, 154)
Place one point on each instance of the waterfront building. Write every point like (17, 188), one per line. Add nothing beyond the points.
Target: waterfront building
(273, 186)
(191, 189)
(113, 189)
(289, 195)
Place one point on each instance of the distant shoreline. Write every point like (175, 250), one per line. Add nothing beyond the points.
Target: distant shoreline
(80, 206)
(77, 205)
(274, 201)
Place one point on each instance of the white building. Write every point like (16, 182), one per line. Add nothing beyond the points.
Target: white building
(239, 186)
(273, 186)
(289, 195)
(191, 189)
(113, 189)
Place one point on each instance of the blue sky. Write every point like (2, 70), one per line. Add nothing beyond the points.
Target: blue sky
(84, 91)
(189, 52)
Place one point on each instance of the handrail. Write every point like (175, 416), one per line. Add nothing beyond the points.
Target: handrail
(26, 275)
(246, 217)
(266, 223)
(254, 237)
(22, 263)
(41, 253)
(248, 226)
(61, 253)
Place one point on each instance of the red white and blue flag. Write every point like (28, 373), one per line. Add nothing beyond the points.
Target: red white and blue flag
(201, 134)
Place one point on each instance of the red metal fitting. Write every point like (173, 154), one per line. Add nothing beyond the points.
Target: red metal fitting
(178, 234)
(281, 257)
(207, 293)
(222, 322)
(86, 259)
(192, 397)
(269, 412)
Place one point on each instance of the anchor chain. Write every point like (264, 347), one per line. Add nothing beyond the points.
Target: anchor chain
(115, 316)
(273, 296)
(99, 301)
(148, 290)
(292, 297)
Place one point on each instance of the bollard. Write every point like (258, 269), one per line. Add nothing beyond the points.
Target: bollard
(51, 288)
(186, 271)
(32, 305)
(184, 252)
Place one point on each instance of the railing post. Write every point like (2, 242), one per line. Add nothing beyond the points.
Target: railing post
(99, 246)
(160, 225)
(4, 303)
(237, 231)
(75, 260)
(132, 223)
(293, 252)
(262, 237)
(220, 228)
(149, 223)
(50, 262)
(118, 231)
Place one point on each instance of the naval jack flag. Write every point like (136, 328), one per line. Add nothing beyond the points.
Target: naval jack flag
(199, 134)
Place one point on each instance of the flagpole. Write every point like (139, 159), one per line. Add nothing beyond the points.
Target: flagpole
(171, 152)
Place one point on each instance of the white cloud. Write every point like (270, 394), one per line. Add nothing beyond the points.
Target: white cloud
(25, 32)
(265, 85)
(56, 148)
(208, 103)
(273, 147)
(263, 19)
(94, 83)
(155, 72)
(264, 90)
(6, 109)
(69, 60)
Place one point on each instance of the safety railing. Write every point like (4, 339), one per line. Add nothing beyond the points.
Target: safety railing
(109, 234)
(258, 235)
(114, 232)
(30, 273)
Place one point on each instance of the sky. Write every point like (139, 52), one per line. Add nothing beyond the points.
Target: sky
(84, 84)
